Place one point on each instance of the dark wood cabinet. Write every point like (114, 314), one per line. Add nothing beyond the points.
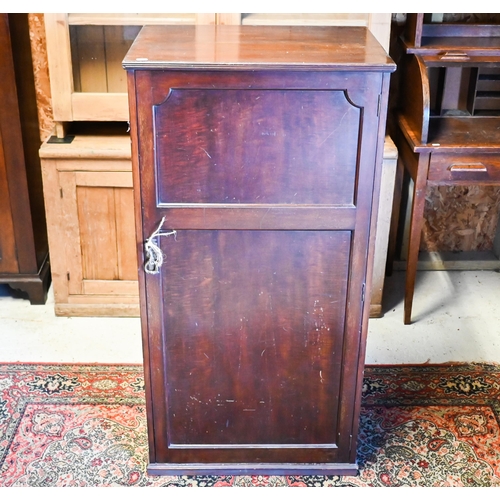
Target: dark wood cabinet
(24, 260)
(260, 150)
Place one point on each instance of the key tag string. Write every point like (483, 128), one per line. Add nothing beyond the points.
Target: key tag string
(154, 255)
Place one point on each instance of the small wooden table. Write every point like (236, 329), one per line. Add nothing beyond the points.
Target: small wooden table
(457, 154)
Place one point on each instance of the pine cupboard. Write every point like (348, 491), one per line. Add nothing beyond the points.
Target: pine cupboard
(256, 174)
(90, 222)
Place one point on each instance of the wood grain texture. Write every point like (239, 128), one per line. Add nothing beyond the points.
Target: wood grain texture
(300, 47)
(253, 330)
(23, 240)
(284, 326)
(60, 67)
(287, 141)
(90, 207)
(8, 257)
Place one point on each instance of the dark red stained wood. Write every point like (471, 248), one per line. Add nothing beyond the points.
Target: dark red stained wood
(256, 146)
(257, 47)
(464, 168)
(253, 331)
(23, 237)
(248, 349)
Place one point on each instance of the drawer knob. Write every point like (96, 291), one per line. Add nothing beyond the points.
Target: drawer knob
(468, 167)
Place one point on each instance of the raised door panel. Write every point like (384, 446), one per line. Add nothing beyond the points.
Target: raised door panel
(100, 250)
(256, 146)
(257, 318)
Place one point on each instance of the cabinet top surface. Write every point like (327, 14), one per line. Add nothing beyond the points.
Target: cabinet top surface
(257, 47)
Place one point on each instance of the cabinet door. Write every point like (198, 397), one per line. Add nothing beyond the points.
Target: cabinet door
(253, 323)
(85, 52)
(91, 234)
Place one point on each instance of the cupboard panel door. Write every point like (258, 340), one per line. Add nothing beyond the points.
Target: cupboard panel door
(256, 146)
(241, 303)
(97, 213)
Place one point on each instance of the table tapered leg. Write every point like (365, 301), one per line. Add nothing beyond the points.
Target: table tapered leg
(416, 224)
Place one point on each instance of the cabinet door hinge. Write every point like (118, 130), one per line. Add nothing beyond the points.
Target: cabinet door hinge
(350, 442)
(379, 104)
(363, 293)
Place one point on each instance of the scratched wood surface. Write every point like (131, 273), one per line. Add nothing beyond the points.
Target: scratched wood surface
(290, 147)
(254, 329)
(258, 319)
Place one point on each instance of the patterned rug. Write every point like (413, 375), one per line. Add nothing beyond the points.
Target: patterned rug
(85, 425)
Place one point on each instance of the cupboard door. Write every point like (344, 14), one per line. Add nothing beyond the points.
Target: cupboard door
(98, 258)
(257, 318)
(253, 323)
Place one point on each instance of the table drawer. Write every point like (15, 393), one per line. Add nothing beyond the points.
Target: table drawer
(484, 168)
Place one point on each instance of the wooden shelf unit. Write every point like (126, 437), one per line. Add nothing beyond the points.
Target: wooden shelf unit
(84, 55)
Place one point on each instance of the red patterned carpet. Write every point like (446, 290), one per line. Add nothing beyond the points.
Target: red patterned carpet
(85, 425)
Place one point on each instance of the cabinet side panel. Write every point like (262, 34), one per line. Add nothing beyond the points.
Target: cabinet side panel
(8, 258)
(14, 160)
(60, 65)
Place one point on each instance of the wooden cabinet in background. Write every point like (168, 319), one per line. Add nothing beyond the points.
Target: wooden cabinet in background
(90, 219)
(267, 166)
(85, 52)
(24, 262)
(447, 121)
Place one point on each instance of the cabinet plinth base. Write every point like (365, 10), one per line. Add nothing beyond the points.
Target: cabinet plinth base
(336, 469)
(36, 286)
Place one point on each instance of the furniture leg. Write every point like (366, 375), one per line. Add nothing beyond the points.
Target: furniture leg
(396, 208)
(416, 224)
